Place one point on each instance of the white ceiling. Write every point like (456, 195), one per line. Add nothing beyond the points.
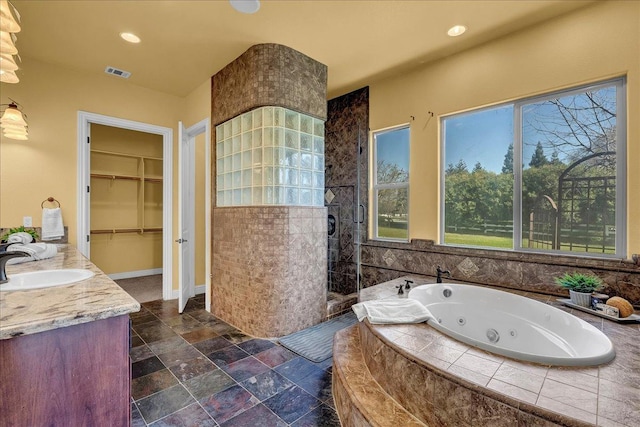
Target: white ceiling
(186, 42)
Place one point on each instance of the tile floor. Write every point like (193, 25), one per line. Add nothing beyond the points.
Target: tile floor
(195, 370)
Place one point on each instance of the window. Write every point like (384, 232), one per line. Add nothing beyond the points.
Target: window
(544, 174)
(391, 184)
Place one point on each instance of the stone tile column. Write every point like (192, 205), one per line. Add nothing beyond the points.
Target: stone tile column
(269, 263)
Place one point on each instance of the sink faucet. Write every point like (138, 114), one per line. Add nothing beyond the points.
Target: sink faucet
(440, 272)
(6, 256)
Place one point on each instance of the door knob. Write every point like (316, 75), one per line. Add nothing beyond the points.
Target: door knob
(181, 241)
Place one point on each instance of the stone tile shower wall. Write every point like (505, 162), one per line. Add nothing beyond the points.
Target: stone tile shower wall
(347, 119)
(269, 248)
(383, 261)
(270, 156)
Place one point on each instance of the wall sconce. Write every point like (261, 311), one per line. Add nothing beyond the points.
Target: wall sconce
(13, 123)
(9, 18)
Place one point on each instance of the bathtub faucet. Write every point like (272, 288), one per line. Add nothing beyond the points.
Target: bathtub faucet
(440, 272)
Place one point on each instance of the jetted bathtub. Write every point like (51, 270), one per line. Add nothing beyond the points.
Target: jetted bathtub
(513, 326)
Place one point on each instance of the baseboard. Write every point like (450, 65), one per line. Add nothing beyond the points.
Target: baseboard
(131, 274)
(200, 289)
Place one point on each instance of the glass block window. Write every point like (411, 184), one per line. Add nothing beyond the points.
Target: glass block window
(270, 156)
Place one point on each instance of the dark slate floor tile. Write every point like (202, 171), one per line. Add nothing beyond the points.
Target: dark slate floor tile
(179, 355)
(322, 416)
(146, 367)
(275, 356)
(291, 403)
(199, 334)
(228, 403)
(152, 383)
(245, 368)
(297, 368)
(163, 403)
(222, 328)
(154, 331)
(136, 418)
(266, 384)
(203, 316)
(182, 323)
(143, 318)
(317, 384)
(167, 344)
(236, 337)
(136, 341)
(140, 352)
(227, 355)
(192, 368)
(258, 416)
(194, 304)
(192, 415)
(208, 383)
(210, 345)
(255, 346)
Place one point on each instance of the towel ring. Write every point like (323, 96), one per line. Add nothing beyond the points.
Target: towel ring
(50, 200)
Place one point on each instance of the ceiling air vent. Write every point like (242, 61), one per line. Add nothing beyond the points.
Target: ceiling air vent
(116, 72)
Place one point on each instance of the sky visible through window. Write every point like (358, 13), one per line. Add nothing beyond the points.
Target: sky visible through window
(393, 147)
(480, 137)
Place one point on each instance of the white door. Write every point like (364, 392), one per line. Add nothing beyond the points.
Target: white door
(186, 259)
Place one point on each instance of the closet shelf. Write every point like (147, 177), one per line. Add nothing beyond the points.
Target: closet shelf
(127, 230)
(133, 156)
(114, 176)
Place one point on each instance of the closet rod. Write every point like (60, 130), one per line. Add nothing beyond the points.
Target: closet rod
(127, 230)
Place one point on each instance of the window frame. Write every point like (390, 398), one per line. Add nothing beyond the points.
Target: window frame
(620, 83)
(376, 187)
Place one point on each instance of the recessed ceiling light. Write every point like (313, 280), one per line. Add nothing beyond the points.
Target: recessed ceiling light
(130, 37)
(457, 30)
(245, 6)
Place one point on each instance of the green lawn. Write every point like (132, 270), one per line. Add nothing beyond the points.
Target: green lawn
(478, 240)
(392, 233)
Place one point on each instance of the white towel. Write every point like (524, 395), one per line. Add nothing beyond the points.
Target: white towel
(37, 252)
(20, 237)
(392, 311)
(52, 227)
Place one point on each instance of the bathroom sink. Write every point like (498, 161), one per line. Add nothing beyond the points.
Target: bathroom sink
(44, 279)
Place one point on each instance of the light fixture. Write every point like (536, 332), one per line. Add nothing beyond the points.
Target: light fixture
(245, 6)
(7, 63)
(13, 123)
(8, 76)
(7, 45)
(130, 37)
(456, 30)
(8, 23)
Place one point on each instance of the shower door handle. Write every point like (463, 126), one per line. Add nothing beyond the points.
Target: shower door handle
(360, 218)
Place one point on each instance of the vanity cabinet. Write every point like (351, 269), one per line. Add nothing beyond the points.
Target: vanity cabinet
(77, 375)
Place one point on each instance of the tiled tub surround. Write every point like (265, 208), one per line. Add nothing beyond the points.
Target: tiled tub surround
(269, 268)
(39, 310)
(270, 156)
(442, 382)
(534, 272)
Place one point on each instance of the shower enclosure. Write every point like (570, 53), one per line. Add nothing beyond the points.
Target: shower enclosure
(346, 177)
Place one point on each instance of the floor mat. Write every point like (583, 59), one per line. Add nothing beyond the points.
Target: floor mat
(316, 343)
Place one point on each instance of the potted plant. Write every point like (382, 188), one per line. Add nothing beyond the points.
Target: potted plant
(580, 287)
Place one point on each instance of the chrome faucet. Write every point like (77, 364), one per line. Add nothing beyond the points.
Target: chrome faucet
(440, 272)
(6, 256)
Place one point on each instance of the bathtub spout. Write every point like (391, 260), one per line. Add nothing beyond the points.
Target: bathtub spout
(440, 272)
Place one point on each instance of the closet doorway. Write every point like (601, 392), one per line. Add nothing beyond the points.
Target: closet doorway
(124, 197)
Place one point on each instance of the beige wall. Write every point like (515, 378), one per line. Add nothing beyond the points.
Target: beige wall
(46, 164)
(594, 43)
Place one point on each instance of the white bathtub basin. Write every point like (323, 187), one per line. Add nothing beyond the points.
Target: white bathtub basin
(44, 279)
(513, 326)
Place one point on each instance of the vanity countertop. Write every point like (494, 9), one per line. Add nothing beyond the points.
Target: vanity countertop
(39, 310)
